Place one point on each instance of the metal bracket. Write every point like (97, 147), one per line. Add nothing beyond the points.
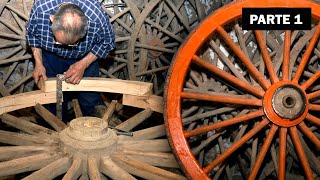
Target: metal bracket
(59, 96)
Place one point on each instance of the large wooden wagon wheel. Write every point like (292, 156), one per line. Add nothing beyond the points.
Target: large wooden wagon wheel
(88, 147)
(15, 65)
(246, 101)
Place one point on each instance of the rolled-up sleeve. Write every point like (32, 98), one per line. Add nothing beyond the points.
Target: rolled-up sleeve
(104, 41)
(32, 30)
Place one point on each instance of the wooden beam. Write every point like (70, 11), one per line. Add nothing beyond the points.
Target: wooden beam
(155, 103)
(101, 85)
(24, 100)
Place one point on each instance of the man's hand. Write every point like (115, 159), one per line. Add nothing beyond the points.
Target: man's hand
(75, 73)
(38, 72)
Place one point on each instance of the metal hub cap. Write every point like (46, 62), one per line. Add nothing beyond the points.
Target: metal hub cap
(285, 104)
(289, 102)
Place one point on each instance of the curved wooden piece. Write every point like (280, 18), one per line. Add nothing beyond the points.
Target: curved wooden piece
(28, 99)
(102, 85)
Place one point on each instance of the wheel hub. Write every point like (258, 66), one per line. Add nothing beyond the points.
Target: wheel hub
(88, 135)
(155, 42)
(285, 104)
(289, 102)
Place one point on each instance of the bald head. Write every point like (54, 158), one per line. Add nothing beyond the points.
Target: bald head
(69, 24)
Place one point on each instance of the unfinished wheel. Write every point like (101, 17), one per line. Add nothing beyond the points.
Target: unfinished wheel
(15, 65)
(87, 148)
(246, 101)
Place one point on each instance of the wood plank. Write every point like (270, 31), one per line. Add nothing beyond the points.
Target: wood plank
(75, 170)
(155, 103)
(26, 126)
(26, 164)
(143, 170)
(23, 100)
(112, 170)
(56, 123)
(101, 85)
(52, 170)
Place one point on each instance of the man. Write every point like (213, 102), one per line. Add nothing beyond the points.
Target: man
(67, 37)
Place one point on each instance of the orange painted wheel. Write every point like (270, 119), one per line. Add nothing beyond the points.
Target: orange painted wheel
(246, 101)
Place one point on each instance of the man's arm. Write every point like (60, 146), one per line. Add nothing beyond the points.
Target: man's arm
(39, 70)
(75, 72)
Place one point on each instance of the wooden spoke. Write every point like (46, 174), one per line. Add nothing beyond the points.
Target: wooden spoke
(52, 170)
(263, 152)
(252, 69)
(229, 78)
(13, 152)
(313, 119)
(222, 99)
(75, 170)
(114, 171)
(142, 169)
(13, 138)
(313, 95)
(24, 164)
(267, 60)
(223, 124)
(25, 126)
(306, 55)
(153, 145)
(306, 131)
(93, 168)
(158, 159)
(303, 159)
(282, 153)
(135, 120)
(145, 134)
(310, 81)
(314, 107)
(77, 109)
(236, 145)
(57, 124)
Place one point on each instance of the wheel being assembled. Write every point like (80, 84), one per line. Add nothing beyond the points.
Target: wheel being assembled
(246, 101)
(86, 148)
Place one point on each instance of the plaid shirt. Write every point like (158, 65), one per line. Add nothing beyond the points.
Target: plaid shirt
(99, 38)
